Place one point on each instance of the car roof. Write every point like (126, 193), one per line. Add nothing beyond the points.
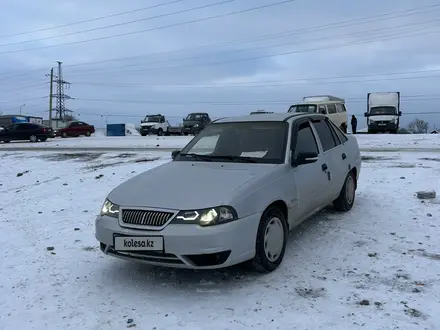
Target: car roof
(284, 116)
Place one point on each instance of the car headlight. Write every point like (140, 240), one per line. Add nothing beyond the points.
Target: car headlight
(207, 217)
(110, 209)
(196, 125)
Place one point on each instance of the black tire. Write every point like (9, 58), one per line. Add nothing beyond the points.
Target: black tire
(43, 138)
(393, 131)
(160, 132)
(7, 141)
(144, 134)
(346, 197)
(88, 133)
(260, 262)
(64, 134)
(33, 138)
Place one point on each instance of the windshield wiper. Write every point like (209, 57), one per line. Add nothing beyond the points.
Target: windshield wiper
(197, 156)
(236, 158)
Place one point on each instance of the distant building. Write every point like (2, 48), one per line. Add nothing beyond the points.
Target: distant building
(6, 120)
(436, 131)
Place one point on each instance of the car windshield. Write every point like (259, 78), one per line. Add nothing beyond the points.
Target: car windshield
(383, 111)
(253, 142)
(308, 108)
(152, 119)
(64, 125)
(194, 116)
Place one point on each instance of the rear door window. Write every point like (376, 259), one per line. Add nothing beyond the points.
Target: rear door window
(325, 134)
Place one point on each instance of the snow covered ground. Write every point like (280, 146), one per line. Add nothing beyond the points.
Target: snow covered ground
(376, 267)
(367, 142)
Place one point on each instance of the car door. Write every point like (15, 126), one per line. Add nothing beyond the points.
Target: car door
(23, 131)
(328, 142)
(333, 114)
(73, 129)
(311, 180)
(339, 156)
(11, 132)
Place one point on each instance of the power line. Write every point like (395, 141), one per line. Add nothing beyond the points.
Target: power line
(119, 24)
(233, 103)
(154, 29)
(253, 58)
(278, 83)
(273, 46)
(92, 19)
(325, 27)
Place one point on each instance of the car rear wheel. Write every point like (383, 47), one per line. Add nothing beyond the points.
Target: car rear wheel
(33, 138)
(347, 195)
(88, 133)
(271, 241)
(64, 134)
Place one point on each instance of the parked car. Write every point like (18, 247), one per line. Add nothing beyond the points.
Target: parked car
(75, 128)
(195, 122)
(157, 124)
(243, 183)
(26, 131)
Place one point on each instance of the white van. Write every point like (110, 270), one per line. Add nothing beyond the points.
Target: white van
(331, 106)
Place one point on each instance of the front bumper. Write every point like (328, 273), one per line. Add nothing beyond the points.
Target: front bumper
(382, 126)
(149, 130)
(187, 246)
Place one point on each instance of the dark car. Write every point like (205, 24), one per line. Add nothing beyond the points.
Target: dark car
(26, 131)
(75, 128)
(195, 122)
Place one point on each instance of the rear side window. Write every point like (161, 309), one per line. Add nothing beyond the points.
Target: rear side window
(338, 132)
(331, 108)
(340, 108)
(305, 141)
(322, 109)
(325, 135)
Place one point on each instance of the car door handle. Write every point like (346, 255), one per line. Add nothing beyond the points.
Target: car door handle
(324, 167)
(344, 156)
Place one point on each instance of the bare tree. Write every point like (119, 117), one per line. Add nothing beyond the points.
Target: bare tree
(418, 126)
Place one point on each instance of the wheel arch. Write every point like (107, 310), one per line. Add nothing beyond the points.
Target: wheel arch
(282, 206)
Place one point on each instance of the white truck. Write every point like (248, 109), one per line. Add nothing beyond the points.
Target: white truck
(157, 124)
(383, 112)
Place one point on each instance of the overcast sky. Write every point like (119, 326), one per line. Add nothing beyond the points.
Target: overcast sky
(222, 58)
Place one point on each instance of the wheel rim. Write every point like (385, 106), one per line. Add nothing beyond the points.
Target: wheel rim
(64, 134)
(349, 189)
(273, 239)
(33, 138)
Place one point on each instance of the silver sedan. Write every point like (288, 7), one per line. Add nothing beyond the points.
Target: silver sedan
(232, 194)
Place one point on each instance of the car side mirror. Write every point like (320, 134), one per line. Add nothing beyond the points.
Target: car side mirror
(365, 114)
(400, 113)
(305, 158)
(174, 153)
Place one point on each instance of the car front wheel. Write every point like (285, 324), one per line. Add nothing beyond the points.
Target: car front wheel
(347, 195)
(64, 134)
(271, 241)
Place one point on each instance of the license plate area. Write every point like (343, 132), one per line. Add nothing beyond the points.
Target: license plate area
(138, 243)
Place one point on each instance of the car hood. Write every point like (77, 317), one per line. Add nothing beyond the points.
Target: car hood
(382, 117)
(184, 185)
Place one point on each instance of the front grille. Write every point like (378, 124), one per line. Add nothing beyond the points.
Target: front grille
(145, 217)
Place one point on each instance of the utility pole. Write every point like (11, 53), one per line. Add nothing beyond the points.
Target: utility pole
(60, 108)
(50, 98)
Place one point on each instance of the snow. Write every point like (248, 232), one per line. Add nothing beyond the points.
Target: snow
(385, 250)
(367, 142)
